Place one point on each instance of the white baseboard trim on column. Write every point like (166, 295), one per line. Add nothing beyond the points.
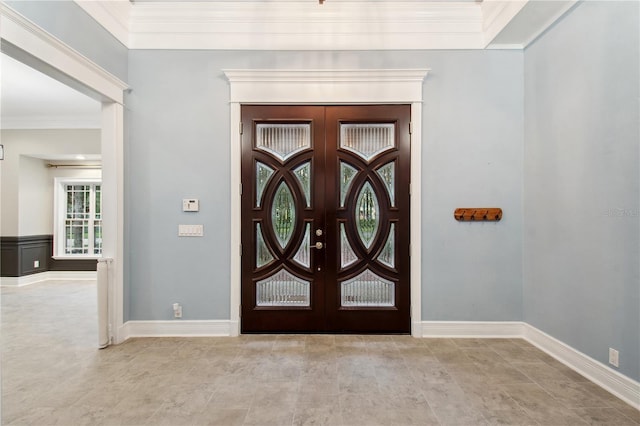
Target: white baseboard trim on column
(177, 328)
(472, 329)
(620, 385)
(47, 276)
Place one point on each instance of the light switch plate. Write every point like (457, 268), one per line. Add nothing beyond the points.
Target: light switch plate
(190, 230)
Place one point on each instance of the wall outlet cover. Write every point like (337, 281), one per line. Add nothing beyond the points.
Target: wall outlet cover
(614, 357)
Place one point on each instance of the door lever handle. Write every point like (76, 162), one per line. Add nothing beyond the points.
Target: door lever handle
(317, 245)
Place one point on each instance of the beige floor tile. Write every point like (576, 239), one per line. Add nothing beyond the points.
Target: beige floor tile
(489, 396)
(269, 416)
(518, 353)
(483, 355)
(327, 415)
(436, 345)
(511, 417)
(453, 356)
(503, 374)
(470, 343)
(555, 416)
(320, 385)
(540, 371)
(604, 416)
(274, 379)
(364, 415)
(466, 372)
(574, 394)
(276, 394)
(212, 416)
(410, 416)
(532, 397)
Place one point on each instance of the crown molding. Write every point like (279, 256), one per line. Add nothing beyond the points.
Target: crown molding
(307, 25)
(113, 15)
(497, 15)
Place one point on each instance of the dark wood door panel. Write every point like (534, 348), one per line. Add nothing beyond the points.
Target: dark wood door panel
(271, 146)
(339, 176)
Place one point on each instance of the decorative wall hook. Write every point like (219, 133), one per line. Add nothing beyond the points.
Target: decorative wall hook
(477, 214)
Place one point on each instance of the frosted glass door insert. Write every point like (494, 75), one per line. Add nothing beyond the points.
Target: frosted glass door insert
(282, 289)
(283, 140)
(367, 140)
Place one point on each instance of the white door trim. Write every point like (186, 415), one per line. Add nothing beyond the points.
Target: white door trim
(29, 43)
(398, 86)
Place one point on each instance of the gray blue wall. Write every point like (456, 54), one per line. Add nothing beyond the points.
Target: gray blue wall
(581, 177)
(566, 263)
(72, 25)
(178, 147)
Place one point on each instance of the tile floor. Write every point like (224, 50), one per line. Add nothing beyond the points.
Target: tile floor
(52, 373)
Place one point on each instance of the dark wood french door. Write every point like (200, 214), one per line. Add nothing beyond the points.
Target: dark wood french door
(325, 219)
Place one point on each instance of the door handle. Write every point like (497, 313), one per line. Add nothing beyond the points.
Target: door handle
(318, 245)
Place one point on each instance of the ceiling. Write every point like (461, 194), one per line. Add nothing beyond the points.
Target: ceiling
(332, 25)
(32, 100)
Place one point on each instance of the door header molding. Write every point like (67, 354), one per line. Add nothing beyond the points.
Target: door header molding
(326, 86)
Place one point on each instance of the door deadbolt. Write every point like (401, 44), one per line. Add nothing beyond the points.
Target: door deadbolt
(319, 232)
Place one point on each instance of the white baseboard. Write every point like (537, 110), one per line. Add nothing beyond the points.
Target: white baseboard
(178, 328)
(47, 276)
(473, 329)
(621, 386)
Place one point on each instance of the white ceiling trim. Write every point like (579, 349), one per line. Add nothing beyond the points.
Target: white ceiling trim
(568, 5)
(113, 15)
(307, 25)
(335, 25)
(299, 24)
(497, 15)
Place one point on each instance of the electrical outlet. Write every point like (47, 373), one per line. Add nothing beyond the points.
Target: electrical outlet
(614, 357)
(177, 310)
(36, 263)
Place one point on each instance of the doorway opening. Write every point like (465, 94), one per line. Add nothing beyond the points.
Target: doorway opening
(31, 45)
(326, 214)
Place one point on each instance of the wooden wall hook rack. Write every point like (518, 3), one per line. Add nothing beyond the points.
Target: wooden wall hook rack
(478, 214)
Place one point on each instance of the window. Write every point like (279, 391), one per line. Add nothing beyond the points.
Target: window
(78, 218)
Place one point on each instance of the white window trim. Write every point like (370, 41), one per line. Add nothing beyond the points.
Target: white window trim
(59, 208)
